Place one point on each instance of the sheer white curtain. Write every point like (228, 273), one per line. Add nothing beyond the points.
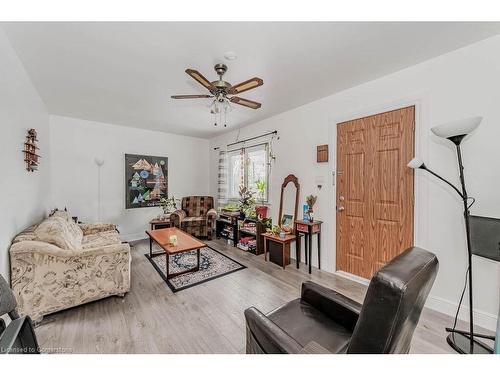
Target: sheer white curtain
(222, 197)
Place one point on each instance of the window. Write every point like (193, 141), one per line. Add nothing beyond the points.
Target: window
(248, 167)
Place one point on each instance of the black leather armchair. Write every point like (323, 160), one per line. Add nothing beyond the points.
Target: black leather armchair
(324, 321)
(19, 336)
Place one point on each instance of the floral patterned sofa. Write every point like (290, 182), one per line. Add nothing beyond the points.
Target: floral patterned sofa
(58, 264)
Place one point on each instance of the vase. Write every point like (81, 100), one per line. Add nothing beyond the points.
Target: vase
(310, 215)
(261, 211)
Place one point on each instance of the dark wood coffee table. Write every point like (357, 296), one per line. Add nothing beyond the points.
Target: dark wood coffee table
(185, 243)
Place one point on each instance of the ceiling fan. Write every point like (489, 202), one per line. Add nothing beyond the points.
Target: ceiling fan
(223, 91)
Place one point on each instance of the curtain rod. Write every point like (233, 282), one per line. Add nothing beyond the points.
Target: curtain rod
(249, 139)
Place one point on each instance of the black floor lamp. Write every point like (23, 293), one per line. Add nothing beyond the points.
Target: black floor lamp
(462, 341)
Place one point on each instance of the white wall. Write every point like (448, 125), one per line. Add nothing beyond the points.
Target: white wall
(76, 143)
(456, 85)
(25, 195)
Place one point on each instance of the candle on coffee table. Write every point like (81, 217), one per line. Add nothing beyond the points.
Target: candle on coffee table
(173, 240)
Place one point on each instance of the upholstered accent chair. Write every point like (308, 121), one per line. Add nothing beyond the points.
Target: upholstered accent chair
(324, 321)
(58, 264)
(197, 216)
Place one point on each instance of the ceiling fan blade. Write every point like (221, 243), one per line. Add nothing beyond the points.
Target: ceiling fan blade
(245, 86)
(200, 78)
(190, 96)
(245, 102)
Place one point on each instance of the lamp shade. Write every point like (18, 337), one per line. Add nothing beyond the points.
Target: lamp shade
(415, 163)
(457, 128)
(99, 161)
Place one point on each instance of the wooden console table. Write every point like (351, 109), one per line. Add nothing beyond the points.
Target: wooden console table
(308, 228)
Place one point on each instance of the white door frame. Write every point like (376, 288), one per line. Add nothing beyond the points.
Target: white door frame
(421, 185)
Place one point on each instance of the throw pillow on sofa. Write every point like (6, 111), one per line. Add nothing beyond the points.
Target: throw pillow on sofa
(61, 214)
(60, 232)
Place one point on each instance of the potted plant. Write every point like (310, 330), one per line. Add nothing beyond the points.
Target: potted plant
(168, 205)
(267, 223)
(274, 230)
(246, 203)
(311, 201)
(230, 207)
(261, 210)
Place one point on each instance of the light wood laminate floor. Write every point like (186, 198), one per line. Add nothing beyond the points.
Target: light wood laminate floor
(207, 318)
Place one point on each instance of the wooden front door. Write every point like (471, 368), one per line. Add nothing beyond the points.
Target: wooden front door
(374, 190)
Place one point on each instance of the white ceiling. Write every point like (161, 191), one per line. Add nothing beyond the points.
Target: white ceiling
(124, 73)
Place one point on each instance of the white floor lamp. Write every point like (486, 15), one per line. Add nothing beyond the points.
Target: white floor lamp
(99, 162)
(462, 341)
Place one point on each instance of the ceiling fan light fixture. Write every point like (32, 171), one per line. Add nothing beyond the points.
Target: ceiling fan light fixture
(219, 90)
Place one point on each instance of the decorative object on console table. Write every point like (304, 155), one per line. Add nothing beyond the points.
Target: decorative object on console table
(311, 201)
(287, 224)
(308, 228)
(30, 155)
(322, 153)
(146, 180)
(305, 209)
(462, 341)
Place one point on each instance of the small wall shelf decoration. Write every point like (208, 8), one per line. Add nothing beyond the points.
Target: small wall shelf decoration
(322, 153)
(30, 155)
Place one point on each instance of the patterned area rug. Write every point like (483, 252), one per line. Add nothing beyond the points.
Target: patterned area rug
(213, 264)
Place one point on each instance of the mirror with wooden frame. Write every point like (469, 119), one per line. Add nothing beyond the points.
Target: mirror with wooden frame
(289, 203)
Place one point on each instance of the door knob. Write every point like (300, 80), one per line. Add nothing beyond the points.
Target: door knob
(340, 208)
(341, 198)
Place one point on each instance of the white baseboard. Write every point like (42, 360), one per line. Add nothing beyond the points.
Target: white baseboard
(133, 236)
(481, 318)
(352, 277)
